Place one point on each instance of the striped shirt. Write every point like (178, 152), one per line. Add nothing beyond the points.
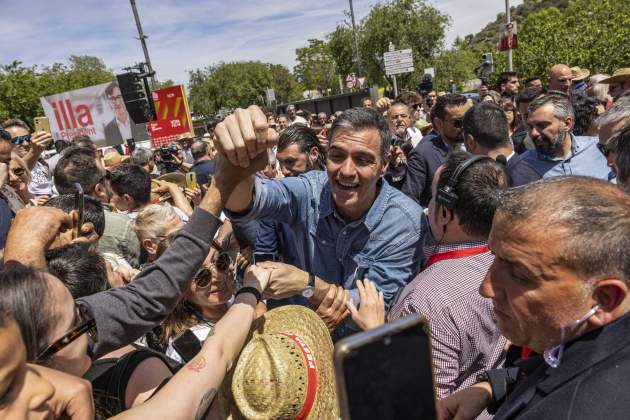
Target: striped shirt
(464, 335)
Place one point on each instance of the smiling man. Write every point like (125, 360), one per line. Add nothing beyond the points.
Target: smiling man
(349, 223)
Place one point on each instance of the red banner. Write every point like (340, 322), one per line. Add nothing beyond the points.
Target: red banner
(173, 115)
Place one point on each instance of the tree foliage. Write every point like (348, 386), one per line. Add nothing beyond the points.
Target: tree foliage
(22, 86)
(315, 68)
(237, 84)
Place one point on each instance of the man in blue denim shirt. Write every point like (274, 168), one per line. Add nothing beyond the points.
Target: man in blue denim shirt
(558, 152)
(349, 223)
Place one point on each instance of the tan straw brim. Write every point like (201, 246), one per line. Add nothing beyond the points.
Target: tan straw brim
(304, 323)
(619, 76)
(579, 73)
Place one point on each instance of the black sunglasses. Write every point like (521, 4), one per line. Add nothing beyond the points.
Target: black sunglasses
(604, 149)
(21, 139)
(86, 325)
(18, 172)
(5, 135)
(203, 278)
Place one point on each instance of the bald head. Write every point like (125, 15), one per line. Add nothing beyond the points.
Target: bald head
(560, 78)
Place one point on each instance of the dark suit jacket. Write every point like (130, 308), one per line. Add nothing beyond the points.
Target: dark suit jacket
(590, 383)
(520, 171)
(113, 137)
(423, 161)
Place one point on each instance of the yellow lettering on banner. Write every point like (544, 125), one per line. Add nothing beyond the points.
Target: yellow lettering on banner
(178, 102)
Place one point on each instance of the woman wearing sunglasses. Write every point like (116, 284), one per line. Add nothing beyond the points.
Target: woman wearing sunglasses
(205, 303)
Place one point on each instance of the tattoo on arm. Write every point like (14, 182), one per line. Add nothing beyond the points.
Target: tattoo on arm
(197, 364)
(204, 405)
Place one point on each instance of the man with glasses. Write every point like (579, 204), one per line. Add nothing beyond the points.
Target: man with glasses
(609, 123)
(30, 147)
(121, 128)
(447, 119)
(558, 151)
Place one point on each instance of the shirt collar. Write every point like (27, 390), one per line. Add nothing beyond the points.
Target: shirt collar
(374, 214)
(430, 250)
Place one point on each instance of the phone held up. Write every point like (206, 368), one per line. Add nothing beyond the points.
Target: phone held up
(386, 373)
(42, 124)
(191, 180)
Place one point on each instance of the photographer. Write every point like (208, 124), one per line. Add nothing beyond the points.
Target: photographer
(171, 159)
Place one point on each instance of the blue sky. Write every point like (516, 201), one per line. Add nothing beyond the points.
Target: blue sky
(189, 34)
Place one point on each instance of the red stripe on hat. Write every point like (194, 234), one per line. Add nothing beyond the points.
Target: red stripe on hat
(311, 386)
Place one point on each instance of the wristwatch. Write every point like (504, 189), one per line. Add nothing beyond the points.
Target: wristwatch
(310, 289)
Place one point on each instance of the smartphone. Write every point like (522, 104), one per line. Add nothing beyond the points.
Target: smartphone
(387, 372)
(79, 205)
(263, 256)
(187, 346)
(191, 180)
(42, 124)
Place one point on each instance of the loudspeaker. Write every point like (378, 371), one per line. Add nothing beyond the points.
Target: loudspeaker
(137, 96)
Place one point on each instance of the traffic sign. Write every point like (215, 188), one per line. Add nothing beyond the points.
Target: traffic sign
(398, 62)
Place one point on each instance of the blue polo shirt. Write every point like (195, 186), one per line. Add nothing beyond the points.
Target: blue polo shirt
(585, 159)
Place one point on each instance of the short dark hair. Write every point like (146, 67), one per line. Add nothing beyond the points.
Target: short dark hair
(585, 114)
(561, 106)
(25, 296)
(450, 100)
(134, 180)
(504, 77)
(478, 191)
(531, 79)
(93, 211)
(84, 273)
(305, 138)
(77, 164)
(528, 94)
(61, 145)
(488, 125)
(358, 119)
(622, 161)
(83, 141)
(15, 122)
(588, 216)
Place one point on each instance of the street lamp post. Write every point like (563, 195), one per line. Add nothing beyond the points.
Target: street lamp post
(354, 39)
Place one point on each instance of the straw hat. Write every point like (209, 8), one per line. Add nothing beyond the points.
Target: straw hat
(112, 158)
(285, 371)
(579, 73)
(620, 75)
(175, 177)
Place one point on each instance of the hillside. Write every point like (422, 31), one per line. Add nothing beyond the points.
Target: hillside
(490, 33)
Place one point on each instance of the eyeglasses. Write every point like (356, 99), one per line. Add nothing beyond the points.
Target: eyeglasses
(5, 134)
(19, 172)
(458, 123)
(21, 139)
(115, 98)
(86, 325)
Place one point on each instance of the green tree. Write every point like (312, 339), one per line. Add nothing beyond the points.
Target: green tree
(341, 49)
(315, 68)
(164, 84)
(408, 24)
(239, 84)
(22, 86)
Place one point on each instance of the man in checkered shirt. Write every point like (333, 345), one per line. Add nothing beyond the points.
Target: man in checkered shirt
(465, 338)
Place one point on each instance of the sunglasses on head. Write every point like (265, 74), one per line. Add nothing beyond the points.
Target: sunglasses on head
(86, 324)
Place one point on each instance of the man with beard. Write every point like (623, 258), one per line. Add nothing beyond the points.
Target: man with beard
(558, 151)
(447, 118)
(508, 84)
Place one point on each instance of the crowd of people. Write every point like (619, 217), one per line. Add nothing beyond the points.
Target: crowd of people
(130, 289)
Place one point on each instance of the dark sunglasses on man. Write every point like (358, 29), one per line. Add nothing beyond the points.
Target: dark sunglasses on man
(26, 138)
(83, 324)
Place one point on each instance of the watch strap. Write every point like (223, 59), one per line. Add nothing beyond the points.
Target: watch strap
(251, 290)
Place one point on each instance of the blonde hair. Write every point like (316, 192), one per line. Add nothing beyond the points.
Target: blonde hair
(151, 219)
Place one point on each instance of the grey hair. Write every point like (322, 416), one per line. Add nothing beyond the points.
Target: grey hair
(358, 119)
(599, 89)
(141, 156)
(588, 217)
(617, 112)
(562, 108)
(150, 221)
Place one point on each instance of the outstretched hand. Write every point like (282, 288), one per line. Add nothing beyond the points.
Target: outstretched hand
(371, 313)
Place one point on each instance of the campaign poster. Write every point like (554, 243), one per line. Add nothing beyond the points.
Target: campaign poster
(509, 37)
(97, 112)
(172, 115)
